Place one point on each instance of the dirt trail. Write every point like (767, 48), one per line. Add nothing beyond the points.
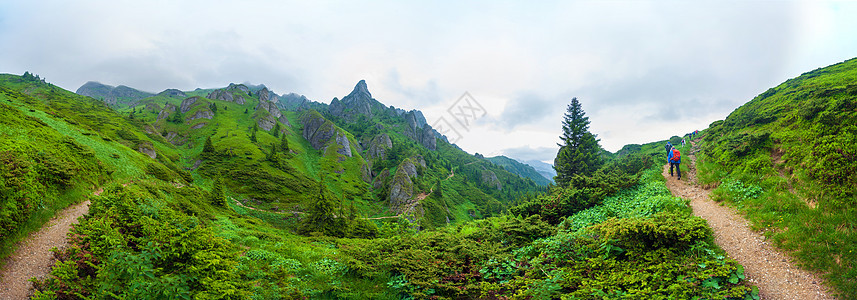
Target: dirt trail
(33, 257)
(764, 265)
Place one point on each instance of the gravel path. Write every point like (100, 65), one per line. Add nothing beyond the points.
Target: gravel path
(764, 265)
(33, 257)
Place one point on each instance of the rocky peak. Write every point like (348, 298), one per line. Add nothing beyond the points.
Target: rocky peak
(360, 92)
(240, 87)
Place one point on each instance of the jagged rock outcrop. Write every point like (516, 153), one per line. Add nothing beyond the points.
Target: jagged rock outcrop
(379, 146)
(240, 87)
(188, 103)
(419, 130)
(490, 179)
(228, 94)
(172, 93)
(321, 133)
(266, 123)
(148, 149)
(401, 190)
(336, 107)
(345, 145)
(166, 111)
(198, 126)
(408, 166)
(366, 172)
(419, 160)
(203, 113)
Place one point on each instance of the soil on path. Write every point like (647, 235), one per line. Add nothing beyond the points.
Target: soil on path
(33, 257)
(764, 265)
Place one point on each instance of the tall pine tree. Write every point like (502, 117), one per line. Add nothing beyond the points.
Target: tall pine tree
(579, 153)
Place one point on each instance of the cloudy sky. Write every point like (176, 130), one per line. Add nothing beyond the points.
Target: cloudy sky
(643, 71)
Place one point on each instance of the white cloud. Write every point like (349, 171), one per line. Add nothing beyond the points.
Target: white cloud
(629, 63)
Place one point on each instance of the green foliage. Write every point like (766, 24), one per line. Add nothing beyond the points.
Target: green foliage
(579, 152)
(787, 160)
(208, 147)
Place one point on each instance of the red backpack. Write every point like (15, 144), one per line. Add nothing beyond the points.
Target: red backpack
(676, 155)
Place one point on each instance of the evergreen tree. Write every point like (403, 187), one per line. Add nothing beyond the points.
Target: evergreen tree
(579, 153)
(320, 217)
(218, 196)
(213, 107)
(284, 144)
(272, 155)
(245, 110)
(276, 131)
(208, 147)
(253, 136)
(177, 117)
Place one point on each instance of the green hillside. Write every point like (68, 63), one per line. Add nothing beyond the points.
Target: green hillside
(520, 169)
(214, 194)
(788, 160)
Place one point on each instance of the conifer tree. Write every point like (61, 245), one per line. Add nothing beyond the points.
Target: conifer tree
(208, 147)
(276, 131)
(579, 153)
(284, 144)
(218, 196)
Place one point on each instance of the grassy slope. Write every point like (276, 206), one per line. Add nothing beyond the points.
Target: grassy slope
(788, 159)
(58, 147)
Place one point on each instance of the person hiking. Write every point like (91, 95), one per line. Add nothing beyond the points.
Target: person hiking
(667, 147)
(674, 158)
(682, 142)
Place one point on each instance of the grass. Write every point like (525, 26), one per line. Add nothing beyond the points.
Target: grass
(786, 160)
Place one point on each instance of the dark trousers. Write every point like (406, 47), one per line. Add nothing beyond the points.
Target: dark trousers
(677, 169)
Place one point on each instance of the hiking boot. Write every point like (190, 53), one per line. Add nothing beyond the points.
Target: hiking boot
(679, 178)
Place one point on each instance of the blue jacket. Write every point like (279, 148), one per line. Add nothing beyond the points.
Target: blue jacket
(670, 158)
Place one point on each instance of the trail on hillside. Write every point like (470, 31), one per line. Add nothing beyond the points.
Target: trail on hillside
(764, 265)
(33, 257)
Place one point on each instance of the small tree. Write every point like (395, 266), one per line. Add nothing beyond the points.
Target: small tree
(208, 147)
(284, 144)
(218, 195)
(213, 107)
(276, 131)
(177, 117)
(272, 155)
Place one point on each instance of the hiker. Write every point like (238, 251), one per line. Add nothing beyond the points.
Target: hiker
(674, 159)
(667, 147)
(682, 142)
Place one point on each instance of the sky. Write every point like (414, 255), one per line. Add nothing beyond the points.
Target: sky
(643, 71)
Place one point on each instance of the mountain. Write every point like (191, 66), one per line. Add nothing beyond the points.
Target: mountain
(544, 169)
(219, 193)
(522, 169)
(788, 159)
(119, 95)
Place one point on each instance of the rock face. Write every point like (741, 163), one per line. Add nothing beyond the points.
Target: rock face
(409, 168)
(401, 190)
(266, 123)
(188, 103)
(358, 102)
(378, 182)
(228, 95)
(168, 109)
(490, 179)
(342, 141)
(148, 149)
(321, 133)
(204, 113)
(419, 130)
(379, 146)
(172, 93)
